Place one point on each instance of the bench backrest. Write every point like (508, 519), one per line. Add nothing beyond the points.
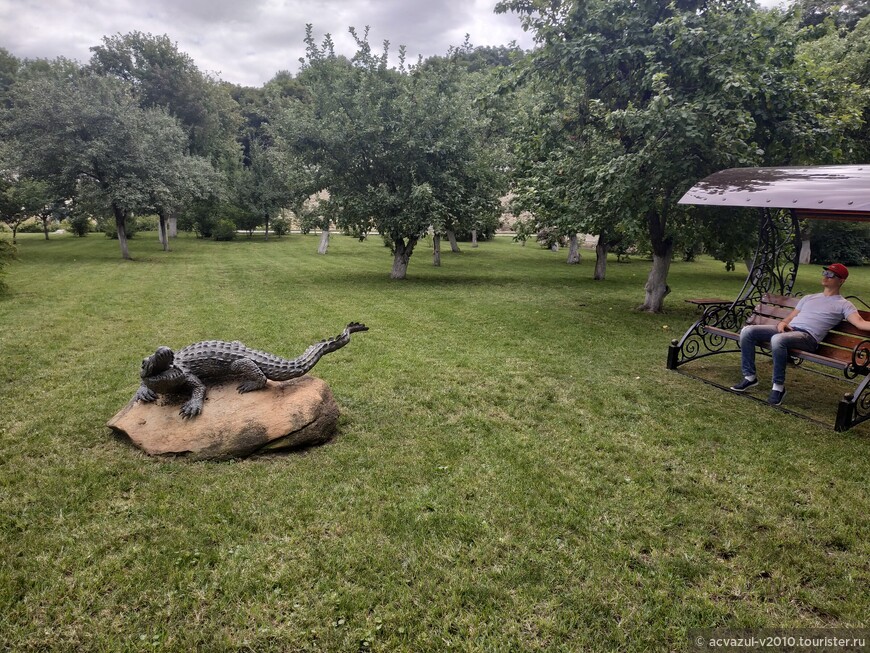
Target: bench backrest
(839, 342)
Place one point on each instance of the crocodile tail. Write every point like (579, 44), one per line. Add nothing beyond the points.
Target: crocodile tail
(308, 359)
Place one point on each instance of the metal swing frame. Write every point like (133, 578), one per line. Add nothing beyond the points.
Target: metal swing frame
(783, 196)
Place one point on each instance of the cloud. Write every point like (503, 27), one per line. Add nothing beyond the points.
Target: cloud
(248, 42)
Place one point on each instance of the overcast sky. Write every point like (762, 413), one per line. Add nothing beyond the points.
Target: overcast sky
(248, 41)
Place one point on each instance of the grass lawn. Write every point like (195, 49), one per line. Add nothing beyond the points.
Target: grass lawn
(516, 469)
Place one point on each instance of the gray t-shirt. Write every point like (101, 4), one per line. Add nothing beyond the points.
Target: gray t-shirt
(820, 313)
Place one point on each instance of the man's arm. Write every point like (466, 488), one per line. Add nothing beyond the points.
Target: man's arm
(855, 319)
(784, 325)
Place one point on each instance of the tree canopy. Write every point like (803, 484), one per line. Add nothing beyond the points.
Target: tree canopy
(398, 148)
(620, 108)
(76, 128)
(663, 95)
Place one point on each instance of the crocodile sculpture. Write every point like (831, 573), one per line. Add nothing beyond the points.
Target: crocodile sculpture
(168, 372)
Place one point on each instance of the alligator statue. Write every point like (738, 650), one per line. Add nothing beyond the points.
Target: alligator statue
(168, 372)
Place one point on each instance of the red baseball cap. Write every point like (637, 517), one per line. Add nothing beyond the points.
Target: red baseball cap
(839, 269)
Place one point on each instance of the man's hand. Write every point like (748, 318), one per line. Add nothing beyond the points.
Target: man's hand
(784, 326)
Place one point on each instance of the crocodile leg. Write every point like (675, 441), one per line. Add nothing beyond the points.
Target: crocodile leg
(193, 406)
(253, 376)
(144, 394)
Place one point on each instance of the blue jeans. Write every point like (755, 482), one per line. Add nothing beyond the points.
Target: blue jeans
(780, 343)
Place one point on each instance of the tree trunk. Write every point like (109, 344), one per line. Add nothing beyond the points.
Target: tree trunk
(451, 236)
(573, 250)
(436, 250)
(324, 242)
(554, 247)
(600, 260)
(663, 253)
(45, 227)
(173, 225)
(121, 226)
(162, 232)
(474, 237)
(401, 257)
(805, 252)
(15, 234)
(657, 284)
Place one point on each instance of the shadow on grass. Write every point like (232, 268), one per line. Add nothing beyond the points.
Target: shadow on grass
(810, 394)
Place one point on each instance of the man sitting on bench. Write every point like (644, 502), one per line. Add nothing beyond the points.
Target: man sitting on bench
(804, 328)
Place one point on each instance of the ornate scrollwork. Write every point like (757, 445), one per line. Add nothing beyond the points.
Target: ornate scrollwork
(857, 407)
(698, 342)
(860, 365)
(775, 266)
(862, 408)
(774, 271)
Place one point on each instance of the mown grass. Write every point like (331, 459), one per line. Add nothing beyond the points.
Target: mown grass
(515, 469)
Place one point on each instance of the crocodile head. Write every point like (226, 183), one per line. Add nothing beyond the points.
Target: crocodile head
(159, 361)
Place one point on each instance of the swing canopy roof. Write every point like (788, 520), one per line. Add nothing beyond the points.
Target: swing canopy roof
(814, 192)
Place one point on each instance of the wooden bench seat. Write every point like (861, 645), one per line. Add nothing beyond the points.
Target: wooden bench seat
(843, 347)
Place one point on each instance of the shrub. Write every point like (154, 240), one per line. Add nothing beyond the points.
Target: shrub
(148, 223)
(108, 227)
(280, 226)
(224, 230)
(30, 227)
(204, 225)
(845, 242)
(548, 237)
(80, 225)
(199, 218)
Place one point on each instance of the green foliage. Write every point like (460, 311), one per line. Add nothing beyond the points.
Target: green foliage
(110, 229)
(147, 222)
(7, 254)
(549, 238)
(839, 63)
(243, 218)
(21, 198)
(273, 179)
(651, 97)
(200, 217)
(80, 224)
(82, 130)
(159, 76)
(9, 67)
(523, 229)
(224, 229)
(280, 226)
(845, 14)
(485, 228)
(30, 227)
(728, 236)
(843, 242)
(400, 149)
